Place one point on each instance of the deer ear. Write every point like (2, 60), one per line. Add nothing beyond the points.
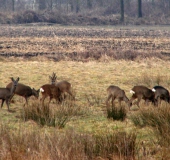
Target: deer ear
(12, 78)
(18, 79)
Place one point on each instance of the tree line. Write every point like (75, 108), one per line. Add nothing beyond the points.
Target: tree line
(133, 8)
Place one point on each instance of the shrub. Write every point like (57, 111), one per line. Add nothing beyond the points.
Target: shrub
(45, 115)
(117, 113)
(56, 116)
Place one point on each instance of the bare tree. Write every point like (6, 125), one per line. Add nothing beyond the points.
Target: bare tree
(3, 5)
(77, 6)
(122, 10)
(139, 8)
(89, 4)
(41, 4)
(13, 5)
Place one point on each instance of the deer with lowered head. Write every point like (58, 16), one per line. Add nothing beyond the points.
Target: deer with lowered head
(161, 93)
(7, 93)
(64, 86)
(142, 92)
(115, 92)
(49, 90)
(24, 91)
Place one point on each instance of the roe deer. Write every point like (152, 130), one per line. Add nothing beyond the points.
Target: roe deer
(161, 94)
(6, 93)
(64, 86)
(49, 90)
(115, 92)
(142, 92)
(24, 91)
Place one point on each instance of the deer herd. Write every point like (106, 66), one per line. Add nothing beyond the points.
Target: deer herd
(57, 91)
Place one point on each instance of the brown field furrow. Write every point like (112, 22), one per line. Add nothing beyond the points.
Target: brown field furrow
(62, 45)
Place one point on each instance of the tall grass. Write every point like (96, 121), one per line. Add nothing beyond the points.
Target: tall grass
(158, 119)
(32, 143)
(117, 113)
(56, 116)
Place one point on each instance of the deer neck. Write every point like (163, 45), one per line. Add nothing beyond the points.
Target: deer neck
(12, 90)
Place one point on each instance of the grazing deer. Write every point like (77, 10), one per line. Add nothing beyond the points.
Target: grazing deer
(142, 92)
(64, 86)
(24, 91)
(49, 90)
(115, 92)
(6, 93)
(161, 94)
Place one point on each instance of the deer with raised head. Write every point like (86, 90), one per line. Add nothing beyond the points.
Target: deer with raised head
(7, 93)
(64, 86)
(115, 92)
(142, 92)
(161, 93)
(24, 91)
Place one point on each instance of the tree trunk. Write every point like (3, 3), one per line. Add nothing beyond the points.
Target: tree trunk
(139, 8)
(41, 4)
(51, 5)
(77, 6)
(122, 10)
(13, 5)
(89, 4)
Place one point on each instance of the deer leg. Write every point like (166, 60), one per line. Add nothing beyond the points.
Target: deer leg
(69, 92)
(130, 101)
(7, 103)
(146, 102)
(2, 102)
(167, 99)
(113, 98)
(26, 101)
(108, 98)
(42, 100)
(137, 102)
(119, 101)
(50, 100)
(157, 100)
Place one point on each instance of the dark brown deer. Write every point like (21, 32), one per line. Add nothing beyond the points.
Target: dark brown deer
(115, 92)
(142, 92)
(6, 94)
(161, 93)
(24, 91)
(64, 86)
(49, 90)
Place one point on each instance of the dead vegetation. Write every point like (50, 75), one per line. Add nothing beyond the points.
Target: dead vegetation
(83, 44)
(83, 129)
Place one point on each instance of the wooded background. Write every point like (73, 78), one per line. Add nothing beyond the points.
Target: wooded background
(56, 11)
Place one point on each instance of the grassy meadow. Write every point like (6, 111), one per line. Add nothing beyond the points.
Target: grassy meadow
(87, 133)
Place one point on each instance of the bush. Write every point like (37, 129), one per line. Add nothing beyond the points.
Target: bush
(57, 116)
(117, 113)
(45, 115)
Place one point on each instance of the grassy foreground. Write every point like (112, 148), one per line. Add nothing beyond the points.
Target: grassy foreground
(88, 130)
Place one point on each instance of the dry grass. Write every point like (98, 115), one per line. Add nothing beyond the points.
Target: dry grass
(89, 81)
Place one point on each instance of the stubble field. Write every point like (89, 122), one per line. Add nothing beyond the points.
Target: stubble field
(91, 59)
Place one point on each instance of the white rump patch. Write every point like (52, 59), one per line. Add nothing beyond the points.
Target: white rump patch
(41, 90)
(153, 90)
(132, 92)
